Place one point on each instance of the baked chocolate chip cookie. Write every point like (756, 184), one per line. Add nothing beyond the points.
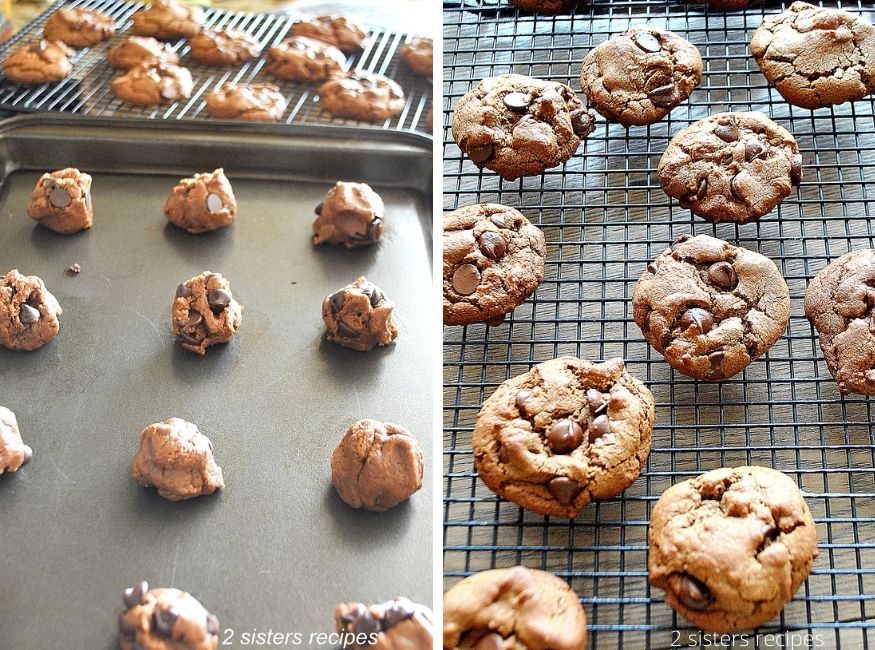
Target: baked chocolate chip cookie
(519, 608)
(28, 312)
(520, 126)
(359, 316)
(564, 433)
(839, 303)
(168, 20)
(351, 215)
(418, 54)
(816, 56)
(250, 102)
(711, 308)
(731, 547)
(78, 27)
(135, 50)
(39, 62)
(493, 261)
(732, 167)
(304, 59)
(61, 201)
(153, 84)
(204, 312)
(222, 47)
(165, 619)
(548, 6)
(398, 624)
(639, 76)
(202, 203)
(361, 95)
(339, 31)
(13, 452)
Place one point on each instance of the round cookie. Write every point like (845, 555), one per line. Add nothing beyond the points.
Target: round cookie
(13, 452)
(548, 6)
(520, 126)
(711, 308)
(816, 56)
(359, 316)
(839, 303)
(202, 203)
(351, 215)
(639, 76)
(165, 619)
(28, 312)
(250, 102)
(361, 95)
(733, 167)
(39, 62)
(418, 54)
(398, 624)
(338, 31)
(204, 312)
(304, 59)
(78, 27)
(519, 608)
(493, 261)
(564, 433)
(168, 20)
(61, 201)
(135, 50)
(223, 47)
(731, 547)
(152, 84)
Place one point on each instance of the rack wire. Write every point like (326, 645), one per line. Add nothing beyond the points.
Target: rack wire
(87, 90)
(605, 217)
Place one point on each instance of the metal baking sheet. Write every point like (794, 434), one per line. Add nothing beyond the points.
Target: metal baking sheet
(277, 549)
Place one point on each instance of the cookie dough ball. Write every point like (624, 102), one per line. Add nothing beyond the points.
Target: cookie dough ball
(377, 465)
(61, 201)
(360, 95)
(177, 459)
(135, 50)
(202, 203)
(168, 20)
(165, 619)
(204, 312)
(13, 452)
(28, 312)
(304, 59)
(39, 62)
(359, 316)
(731, 547)
(223, 47)
(398, 624)
(78, 27)
(418, 54)
(513, 608)
(338, 31)
(252, 102)
(153, 84)
(352, 215)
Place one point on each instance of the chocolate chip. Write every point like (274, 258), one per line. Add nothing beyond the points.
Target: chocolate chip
(599, 427)
(726, 131)
(188, 339)
(663, 96)
(647, 42)
(501, 220)
(133, 596)
(491, 641)
(373, 294)
(183, 291)
(212, 624)
(716, 358)
(163, 621)
(73, 269)
(345, 330)
(466, 279)
(27, 314)
(218, 300)
(480, 154)
(581, 122)
(60, 198)
(693, 593)
(318, 209)
(215, 203)
(194, 318)
(126, 629)
(366, 624)
(721, 274)
(698, 318)
(564, 436)
(702, 189)
(372, 229)
(796, 168)
(564, 489)
(596, 400)
(752, 149)
(492, 244)
(352, 616)
(651, 267)
(394, 613)
(517, 102)
(337, 300)
(521, 398)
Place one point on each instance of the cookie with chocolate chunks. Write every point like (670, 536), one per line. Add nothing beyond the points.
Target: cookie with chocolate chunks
(247, 101)
(61, 201)
(359, 316)
(361, 95)
(220, 47)
(339, 31)
(153, 83)
(202, 203)
(351, 215)
(168, 20)
(204, 312)
(397, 624)
(135, 50)
(78, 27)
(28, 312)
(165, 619)
(304, 59)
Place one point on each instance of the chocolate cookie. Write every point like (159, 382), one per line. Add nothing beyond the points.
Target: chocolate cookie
(61, 201)
(352, 215)
(135, 50)
(202, 203)
(519, 608)
(493, 261)
(304, 59)
(204, 312)
(361, 95)
(548, 6)
(839, 303)
(39, 62)
(731, 547)
(28, 312)
(150, 84)
(13, 452)
(168, 20)
(520, 126)
(338, 31)
(418, 54)
(816, 56)
(165, 619)
(564, 433)
(376, 465)
(223, 47)
(398, 624)
(78, 27)
(711, 308)
(639, 76)
(731, 167)
(359, 316)
(251, 102)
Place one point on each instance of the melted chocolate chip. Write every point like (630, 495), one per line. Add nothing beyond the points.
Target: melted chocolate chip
(352, 616)
(564, 489)
(318, 209)
(188, 339)
(491, 641)
(480, 154)
(796, 169)
(366, 624)
(721, 274)
(133, 596)
(726, 131)
(599, 427)
(218, 300)
(647, 42)
(698, 318)
(394, 614)
(596, 400)
(716, 358)
(194, 318)
(501, 220)
(374, 294)
(163, 621)
(517, 102)
(492, 244)
(651, 267)
(564, 436)
(663, 96)
(337, 300)
(60, 198)
(581, 122)
(466, 279)
(183, 291)
(752, 149)
(28, 314)
(214, 203)
(345, 330)
(702, 189)
(693, 593)
(521, 398)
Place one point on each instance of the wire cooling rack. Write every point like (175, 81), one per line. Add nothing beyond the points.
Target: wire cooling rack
(605, 217)
(87, 90)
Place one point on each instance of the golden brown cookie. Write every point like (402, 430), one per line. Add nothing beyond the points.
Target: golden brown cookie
(39, 62)
(151, 84)
(168, 20)
(78, 27)
(135, 50)
(304, 59)
(223, 47)
(338, 31)
(361, 95)
(418, 54)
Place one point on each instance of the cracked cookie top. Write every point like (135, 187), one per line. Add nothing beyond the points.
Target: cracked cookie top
(361, 95)
(223, 47)
(730, 547)
(247, 101)
(153, 83)
(564, 433)
(339, 31)
(39, 62)
(78, 27)
(710, 308)
(135, 50)
(168, 20)
(816, 56)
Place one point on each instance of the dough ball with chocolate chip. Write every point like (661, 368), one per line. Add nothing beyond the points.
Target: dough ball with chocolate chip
(398, 624)
(202, 203)
(28, 312)
(359, 316)
(165, 619)
(204, 312)
(13, 452)
(177, 459)
(351, 215)
(377, 465)
(61, 201)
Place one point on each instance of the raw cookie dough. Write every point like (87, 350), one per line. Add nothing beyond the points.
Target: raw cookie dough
(711, 308)
(338, 31)
(398, 624)
(549, 6)
(39, 62)
(816, 56)
(493, 261)
(202, 203)
(731, 547)
(304, 59)
(361, 95)
(418, 54)
(78, 27)
(352, 215)
(165, 619)
(564, 433)
(177, 459)
(149, 84)
(839, 303)
(359, 316)
(61, 201)
(28, 312)
(13, 452)
(732, 167)
(520, 126)
(223, 47)
(135, 50)
(639, 76)
(517, 608)
(377, 465)
(204, 312)
(251, 102)
(168, 20)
